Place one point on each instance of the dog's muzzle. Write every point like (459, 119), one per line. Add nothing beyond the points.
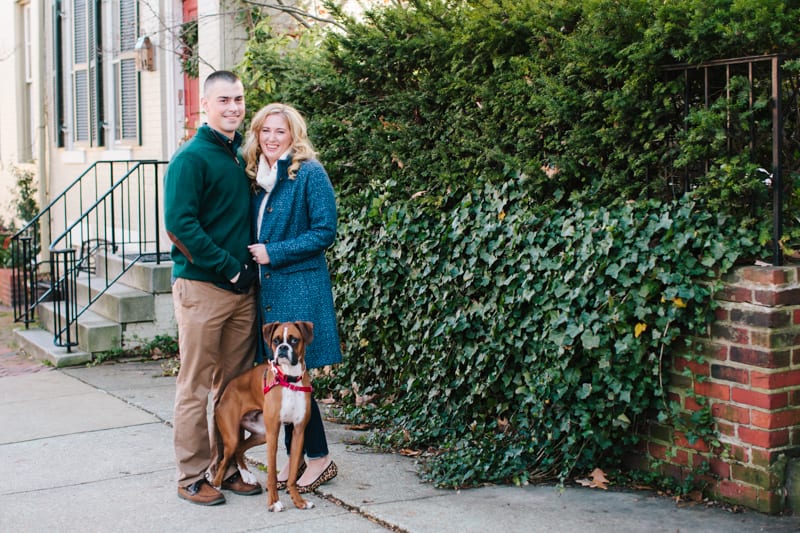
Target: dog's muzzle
(285, 351)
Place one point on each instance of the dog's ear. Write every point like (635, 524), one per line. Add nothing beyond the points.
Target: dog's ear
(268, 330)
(307, 329)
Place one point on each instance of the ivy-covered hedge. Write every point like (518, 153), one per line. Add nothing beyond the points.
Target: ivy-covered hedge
(520, 344)
(512, 269)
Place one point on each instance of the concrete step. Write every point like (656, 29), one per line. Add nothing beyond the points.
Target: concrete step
(133, 311)
(120, 302)
(38, 343)
(96, 333)
(144, 275)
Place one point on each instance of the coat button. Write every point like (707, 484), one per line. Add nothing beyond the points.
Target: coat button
(268, 309)
(269, 210)
(266, 275)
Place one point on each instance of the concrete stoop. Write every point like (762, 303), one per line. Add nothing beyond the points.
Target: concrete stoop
(131, 312)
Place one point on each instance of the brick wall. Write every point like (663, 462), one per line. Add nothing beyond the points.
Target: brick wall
(751, 380)
(6, 286)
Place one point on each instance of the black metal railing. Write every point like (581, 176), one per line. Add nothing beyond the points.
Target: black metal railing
(111, 208)
(760, 135)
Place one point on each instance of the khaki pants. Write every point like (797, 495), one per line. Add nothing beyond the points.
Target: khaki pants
(216, 338)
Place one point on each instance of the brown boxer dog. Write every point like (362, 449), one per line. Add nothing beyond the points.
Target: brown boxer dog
(260, 400)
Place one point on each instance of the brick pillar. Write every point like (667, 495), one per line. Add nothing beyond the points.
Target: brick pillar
(7, 296)
(750, 378)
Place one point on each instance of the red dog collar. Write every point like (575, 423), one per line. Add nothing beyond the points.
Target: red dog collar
(282, 380)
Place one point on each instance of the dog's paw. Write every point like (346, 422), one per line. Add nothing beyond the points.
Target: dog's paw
(248, 477)
(309, 505)
(276, 507)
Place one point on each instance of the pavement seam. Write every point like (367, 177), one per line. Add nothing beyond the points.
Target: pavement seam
(83, 483)
(357, 510)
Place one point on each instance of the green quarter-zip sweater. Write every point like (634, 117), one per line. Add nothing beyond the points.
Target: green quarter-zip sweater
(207, 208)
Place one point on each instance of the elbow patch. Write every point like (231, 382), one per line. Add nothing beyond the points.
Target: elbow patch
(178, 244)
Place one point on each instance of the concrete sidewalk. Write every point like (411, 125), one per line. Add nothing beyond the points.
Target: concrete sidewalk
(89, 449)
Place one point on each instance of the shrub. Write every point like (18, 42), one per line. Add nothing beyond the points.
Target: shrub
(520, 343)
(513, 266)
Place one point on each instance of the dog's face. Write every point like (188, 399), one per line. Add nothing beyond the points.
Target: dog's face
(288, 341)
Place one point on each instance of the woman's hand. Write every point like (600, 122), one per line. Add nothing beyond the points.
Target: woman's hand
(259, 253)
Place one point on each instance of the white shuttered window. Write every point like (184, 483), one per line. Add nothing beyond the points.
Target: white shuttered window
(101, 82)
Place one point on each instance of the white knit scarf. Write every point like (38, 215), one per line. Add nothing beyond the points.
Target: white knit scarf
(266, 176)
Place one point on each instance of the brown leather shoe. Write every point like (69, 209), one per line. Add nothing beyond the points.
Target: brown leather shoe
(237, 485)
(201, 493)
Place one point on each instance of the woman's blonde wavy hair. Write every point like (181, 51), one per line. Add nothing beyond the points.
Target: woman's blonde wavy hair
(302, 149)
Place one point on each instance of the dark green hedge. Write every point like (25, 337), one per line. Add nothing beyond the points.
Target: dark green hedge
(513, 267)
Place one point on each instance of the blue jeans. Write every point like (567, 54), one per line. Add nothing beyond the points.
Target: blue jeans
(315, 445)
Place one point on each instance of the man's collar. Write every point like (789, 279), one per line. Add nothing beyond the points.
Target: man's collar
(237, 137)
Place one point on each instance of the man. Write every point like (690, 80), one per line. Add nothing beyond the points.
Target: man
(207, 217)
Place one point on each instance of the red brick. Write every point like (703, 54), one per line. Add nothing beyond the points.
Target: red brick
(775, 339)
(776, 297)
(775, 419)
(766, 275)
(796, 316)
(765, 439)
(771, 501)
(765, 501)
(764, 458)
(739, 453)
(735, 294)
(760, 357)
(698, 369)
(723, 428)
(683, 442)
(719, 391)
(718, 351)
(760, 399)
(774, 380)
(730, 373)
(680, 457)
(759, 477)
(730, 333)
(690, 404)
(732, 413)
(719, 467)
(737, 491)
(722, 315)
(768, 318)
(657, 450)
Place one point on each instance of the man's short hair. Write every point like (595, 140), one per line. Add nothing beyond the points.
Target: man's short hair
(225, 75)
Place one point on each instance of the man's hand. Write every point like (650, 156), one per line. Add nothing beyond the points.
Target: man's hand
(245, 278)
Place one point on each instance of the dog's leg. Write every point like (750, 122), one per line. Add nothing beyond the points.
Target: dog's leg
(295, 457)
(272, 425)
(227, 425)
(253, 422)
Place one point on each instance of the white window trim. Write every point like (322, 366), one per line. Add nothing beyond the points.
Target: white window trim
(112, 147)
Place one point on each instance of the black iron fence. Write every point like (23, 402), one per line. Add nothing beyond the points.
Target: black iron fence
(758, 101)
(112, 207)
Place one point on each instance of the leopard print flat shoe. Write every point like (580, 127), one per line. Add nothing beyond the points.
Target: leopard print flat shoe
(328, 474)
(282, 484)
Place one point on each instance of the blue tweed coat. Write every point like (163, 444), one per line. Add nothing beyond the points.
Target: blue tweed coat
(299, 224)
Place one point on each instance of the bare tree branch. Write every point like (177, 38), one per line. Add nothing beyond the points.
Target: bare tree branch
(293, 11)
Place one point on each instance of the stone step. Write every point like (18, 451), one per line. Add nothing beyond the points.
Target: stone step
(145, 274)
(132, 311)
(38, 343)
(120, 302)
(96, 333)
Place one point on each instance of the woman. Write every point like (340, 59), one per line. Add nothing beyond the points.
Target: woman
(295, 222)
